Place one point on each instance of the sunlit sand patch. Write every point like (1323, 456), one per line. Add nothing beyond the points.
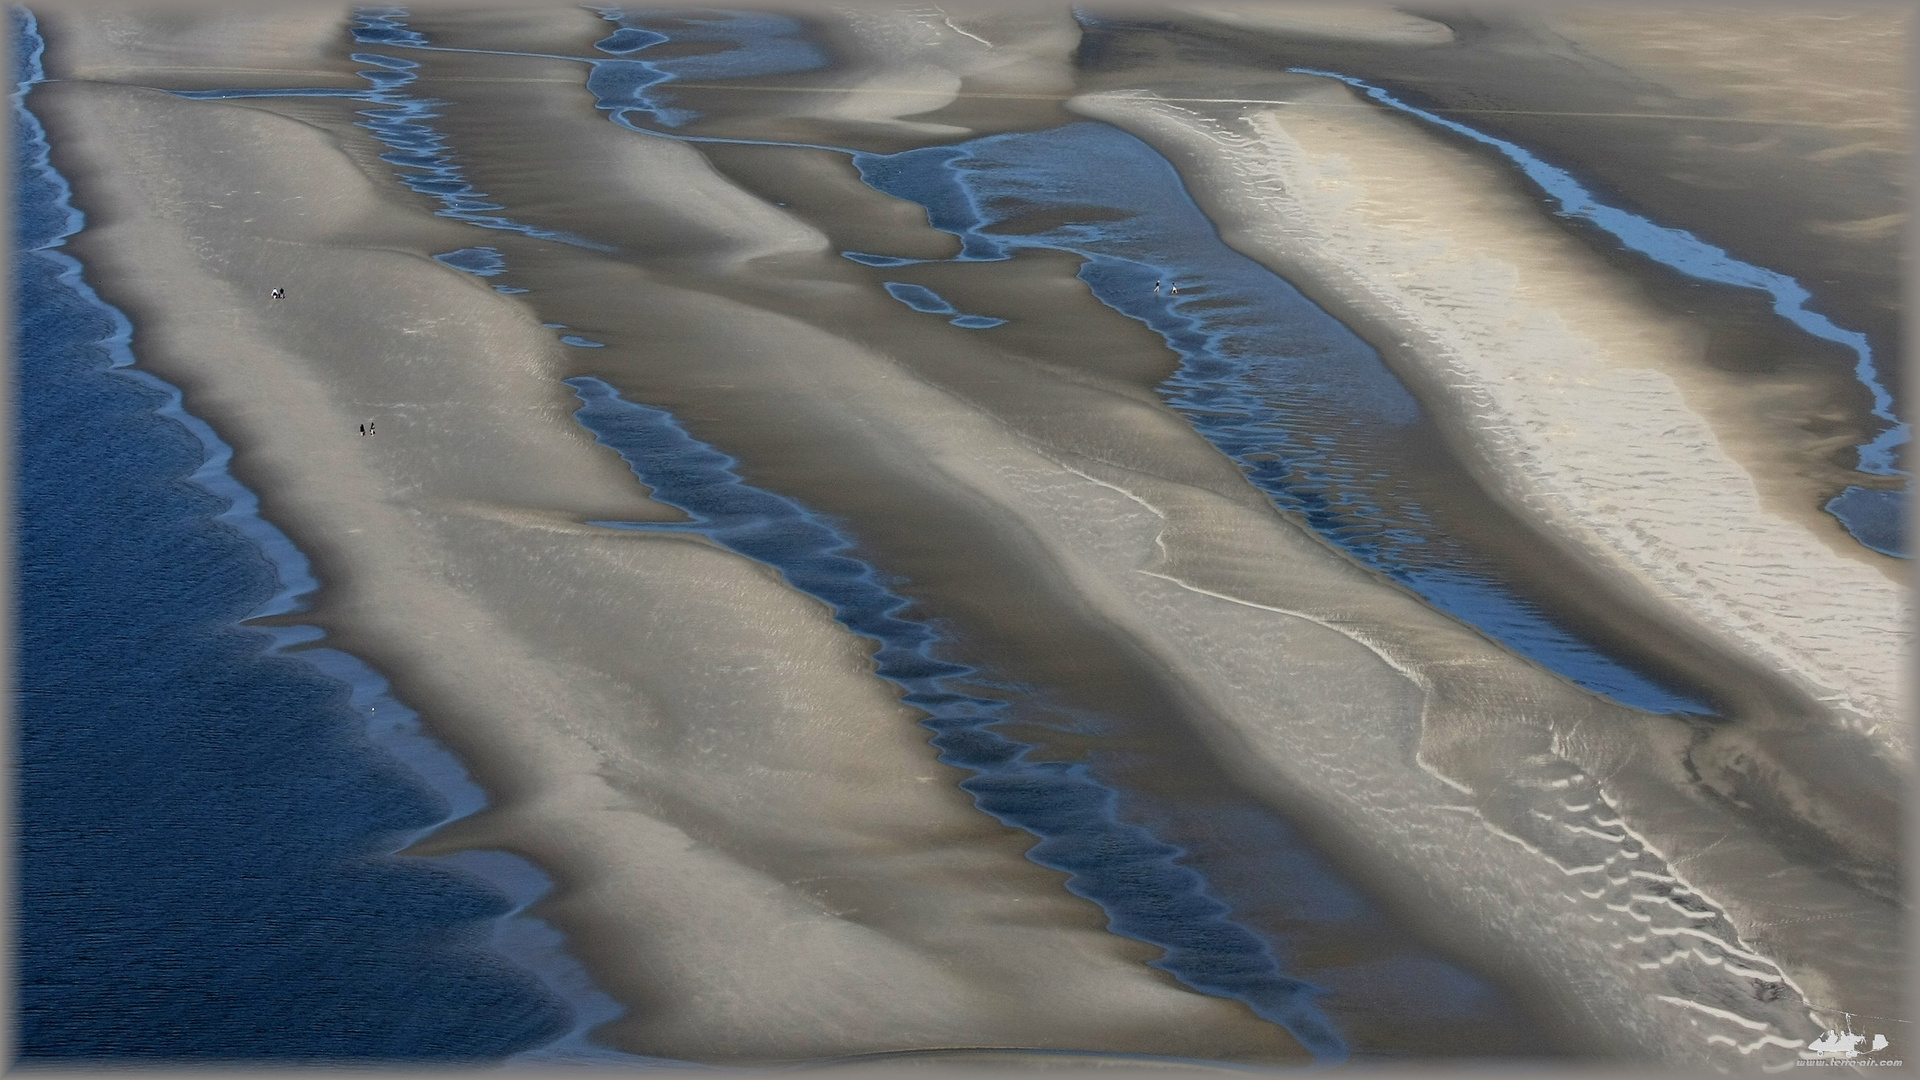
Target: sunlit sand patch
(1568, 385)
(1843, 66)
(1873, 228)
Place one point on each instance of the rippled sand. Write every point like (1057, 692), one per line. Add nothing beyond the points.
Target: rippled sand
(1554, 372)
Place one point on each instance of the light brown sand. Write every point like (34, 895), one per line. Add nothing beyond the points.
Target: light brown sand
(1843, 72)
(1839, 65)
(1343, 699)
(184, 44)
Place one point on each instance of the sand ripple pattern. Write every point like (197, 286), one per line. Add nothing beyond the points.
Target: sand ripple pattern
(1555, 870)
(1603, 450)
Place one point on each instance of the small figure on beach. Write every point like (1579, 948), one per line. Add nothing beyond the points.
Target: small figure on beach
(1156, 287)
(363, 431)
(1172, 289)
(370, 430)
(278, 294)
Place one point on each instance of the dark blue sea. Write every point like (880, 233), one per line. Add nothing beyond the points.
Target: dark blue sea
(204, 819)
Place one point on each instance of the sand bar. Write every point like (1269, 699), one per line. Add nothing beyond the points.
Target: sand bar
(595, 680)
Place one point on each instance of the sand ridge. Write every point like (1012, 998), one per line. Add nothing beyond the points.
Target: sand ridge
(1573, 411)
(1330, 199)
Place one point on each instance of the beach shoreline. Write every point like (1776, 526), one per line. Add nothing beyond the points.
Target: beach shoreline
(332, 523)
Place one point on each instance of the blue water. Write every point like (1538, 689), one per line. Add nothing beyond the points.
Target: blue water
(478, 261)
(1873, 517)
(1306, 408)
(919, 298)
(751, 44)
(754, 43)
(421, 157)
(205, 817)
(1140, 882)
(922, 299)
(1876, 518)
(869, 259)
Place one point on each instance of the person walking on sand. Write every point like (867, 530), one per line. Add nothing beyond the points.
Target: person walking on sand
(363, 431)
(1172, 289)
(278, 294)
(370, 430)
(1156, 287)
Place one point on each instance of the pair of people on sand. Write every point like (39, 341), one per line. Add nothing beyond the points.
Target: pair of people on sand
(366, 428)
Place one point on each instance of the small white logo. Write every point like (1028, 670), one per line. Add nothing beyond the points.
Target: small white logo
(1843, 1048)
(1845, 1043)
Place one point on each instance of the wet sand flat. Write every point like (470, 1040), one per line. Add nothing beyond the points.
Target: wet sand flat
(450, 542)
(757, 852)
